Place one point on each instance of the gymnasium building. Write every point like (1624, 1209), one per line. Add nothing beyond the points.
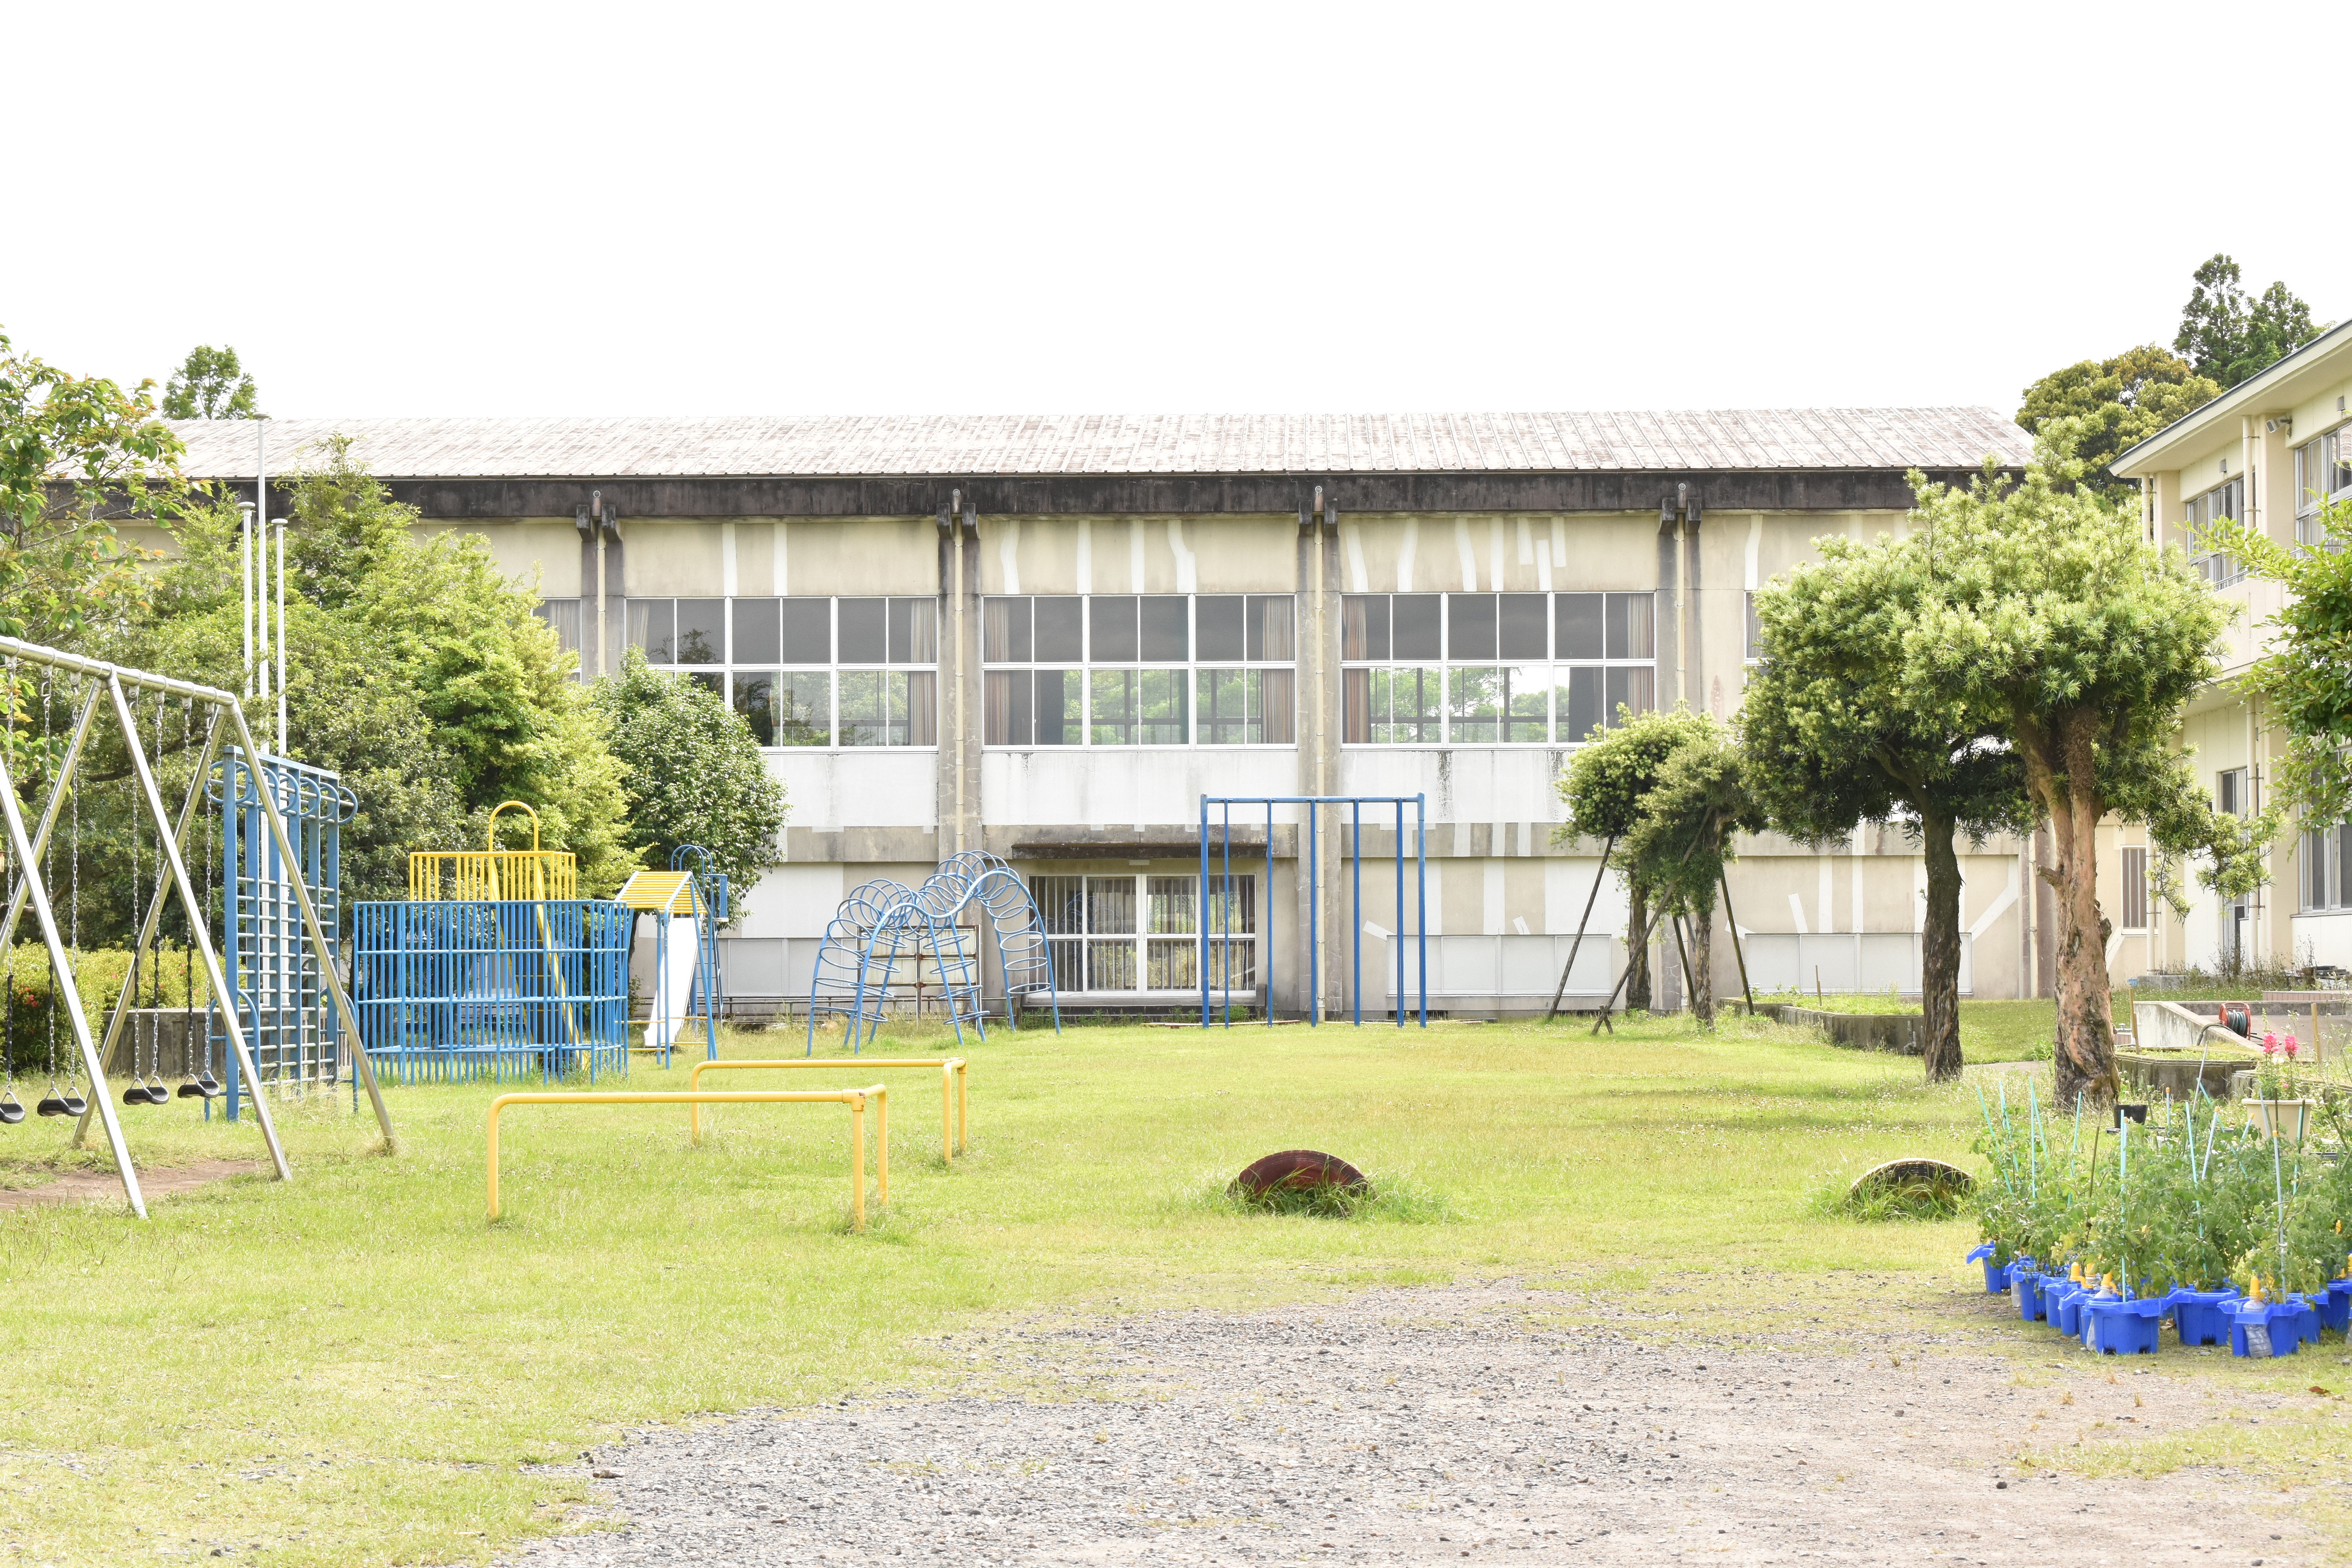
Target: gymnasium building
(1050, 637)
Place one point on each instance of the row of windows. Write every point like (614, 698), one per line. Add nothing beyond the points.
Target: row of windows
(1146, 707)
(1376, 628)
(2227, 501)
(2323, 473)
(1555, 704)
(1149, 933)
(1138, 629)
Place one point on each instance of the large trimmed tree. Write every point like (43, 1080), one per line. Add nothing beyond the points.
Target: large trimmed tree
(2039, 602)
(1836, 737)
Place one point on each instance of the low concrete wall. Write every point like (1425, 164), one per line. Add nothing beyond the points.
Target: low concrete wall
(2181, 1026)
(1897, 1032)
(2174, 1076)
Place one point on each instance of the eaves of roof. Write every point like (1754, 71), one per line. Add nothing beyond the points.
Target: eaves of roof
(2253, 396)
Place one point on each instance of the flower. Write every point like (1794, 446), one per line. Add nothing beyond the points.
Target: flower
(2269, 1043)
(2290, 1045)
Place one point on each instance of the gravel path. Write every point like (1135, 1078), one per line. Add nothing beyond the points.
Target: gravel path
(1430, 1425)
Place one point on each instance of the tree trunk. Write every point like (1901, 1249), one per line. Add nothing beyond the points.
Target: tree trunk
(1939, 957)
(1703, 967)
(1637, 927)
(2086, 1029)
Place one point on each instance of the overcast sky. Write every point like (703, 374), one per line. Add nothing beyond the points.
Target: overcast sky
(480, 209)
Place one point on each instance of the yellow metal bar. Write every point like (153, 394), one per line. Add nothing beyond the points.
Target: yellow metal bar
(952, 1069)
(852, 1098)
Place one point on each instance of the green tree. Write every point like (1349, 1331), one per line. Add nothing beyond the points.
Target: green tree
(211, 384)
(2305, 680)
(694, 774)
(76, 453)
(1836, 737)
(2230, 338)
(2116, 403)
(2041, 603)
(1681, 838)
(1603, 789)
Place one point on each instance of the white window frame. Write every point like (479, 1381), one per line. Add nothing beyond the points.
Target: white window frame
(1555, 667)
(730, 671)
(1187, 671)
(1201, 937)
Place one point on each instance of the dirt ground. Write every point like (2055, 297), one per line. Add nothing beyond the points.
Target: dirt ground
(1479, 1421)
(105, 1186)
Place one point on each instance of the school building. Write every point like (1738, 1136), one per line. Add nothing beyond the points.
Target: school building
(2270, 452)
(1049, 638)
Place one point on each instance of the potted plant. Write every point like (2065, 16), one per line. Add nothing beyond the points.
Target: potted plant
(2278, 1106)
(2262, 1328)
(2119, 1324)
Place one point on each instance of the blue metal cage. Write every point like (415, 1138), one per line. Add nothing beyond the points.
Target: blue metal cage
(448, 990)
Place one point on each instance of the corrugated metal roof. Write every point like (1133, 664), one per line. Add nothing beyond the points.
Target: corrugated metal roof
(980, 445)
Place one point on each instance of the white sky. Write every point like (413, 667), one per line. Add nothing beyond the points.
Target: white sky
(483, 209)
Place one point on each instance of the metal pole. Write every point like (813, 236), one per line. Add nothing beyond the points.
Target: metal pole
(201, 933)
(281, 637)
(1266, 910)
(20, 845)
(1225, 912)
(1396, 938)
(1421, 894)
(328, 973)
(1356, 875)
(1582, 922)
(244, 585)
(1313, 915)
(1205, 907)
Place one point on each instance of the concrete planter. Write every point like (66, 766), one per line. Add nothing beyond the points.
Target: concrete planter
(1902, 1033)
(2174, 1074)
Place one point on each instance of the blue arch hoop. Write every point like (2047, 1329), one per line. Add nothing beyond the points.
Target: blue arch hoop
(1315, 805)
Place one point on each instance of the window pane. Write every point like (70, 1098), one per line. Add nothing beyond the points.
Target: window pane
(1584, 712)
(801, 704)
(755, 692)
(1355, 707)
(1630, 635)
(1755, 631)
(1163, 719)
(1168, 905)
(1270, 640)
(808, 631)
(1233, 965)
(864, 633)
(922, 705)
(1069, 965)
(1112, 695)
(1235, 913)
(1004, 631)
(866, 708)
(1220, 707)
(1004, 707)
(1469, 626)
(1523, 630)
(562, 617)
(1111, 965)
(1576, 626)
(755, 630)
(1413, 699)
(1058, 722)
(1060, 903)
(1364, 626)
(1414, 626)
(1527, 702)
(1166, 637)
(1061, 634)
(702, 631)
(710, 681)
(1217, 622)
(1476, 706)
(650, 622)
(1111, 906)
(1110, 622)
(914, 631)
(1273, 706)
(1633, 687)
(1171, 964)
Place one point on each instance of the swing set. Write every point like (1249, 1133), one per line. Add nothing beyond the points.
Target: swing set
(51, 755)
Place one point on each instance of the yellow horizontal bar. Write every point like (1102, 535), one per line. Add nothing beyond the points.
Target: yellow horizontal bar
(855, 1099)
(953, 1071)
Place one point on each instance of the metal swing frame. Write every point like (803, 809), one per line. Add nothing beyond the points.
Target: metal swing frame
(1312, 826)
(25, 846)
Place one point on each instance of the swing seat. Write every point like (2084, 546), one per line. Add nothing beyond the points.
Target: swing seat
(209, 1083)
(195, 1089)
(136, 1094)
(74, 1104)
(50, 1105)
(12, 1110)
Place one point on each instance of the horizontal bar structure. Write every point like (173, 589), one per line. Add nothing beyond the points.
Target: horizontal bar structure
(852, 1098)
(450, 990)
(955, 1126)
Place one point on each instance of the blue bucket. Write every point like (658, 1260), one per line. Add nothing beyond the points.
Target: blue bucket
(2203, 1317)
(2265, 1328)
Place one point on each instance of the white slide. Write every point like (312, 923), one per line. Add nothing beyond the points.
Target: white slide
(673, 980)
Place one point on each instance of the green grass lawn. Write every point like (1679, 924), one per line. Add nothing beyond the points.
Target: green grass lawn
(357, 1367)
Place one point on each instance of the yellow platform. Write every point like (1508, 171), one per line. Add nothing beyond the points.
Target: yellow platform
(662, 892)
(495, 873)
